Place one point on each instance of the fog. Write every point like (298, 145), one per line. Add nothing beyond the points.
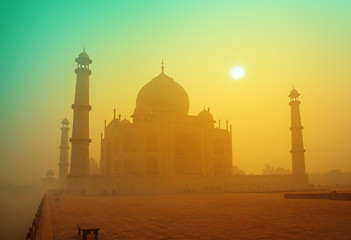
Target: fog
(18, 205)
(35, 99)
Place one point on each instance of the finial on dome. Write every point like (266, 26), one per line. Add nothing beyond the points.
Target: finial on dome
(162, 67)
(84, 49)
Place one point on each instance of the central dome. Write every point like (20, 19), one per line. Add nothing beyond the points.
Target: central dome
(163, 95)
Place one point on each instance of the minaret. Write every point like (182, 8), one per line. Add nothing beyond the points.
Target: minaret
(80, 131)
(297, 150)
(63, 164)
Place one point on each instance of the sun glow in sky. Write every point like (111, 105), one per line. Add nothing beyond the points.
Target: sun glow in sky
(283, 43)
(237, 72)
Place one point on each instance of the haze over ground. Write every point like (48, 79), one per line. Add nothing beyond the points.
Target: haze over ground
(280, 44)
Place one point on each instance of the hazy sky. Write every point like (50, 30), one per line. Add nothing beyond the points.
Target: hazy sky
(279, 43)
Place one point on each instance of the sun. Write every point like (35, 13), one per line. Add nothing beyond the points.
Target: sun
(237, 72)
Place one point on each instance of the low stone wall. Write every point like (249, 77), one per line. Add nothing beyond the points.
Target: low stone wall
(308, 195)
(34, 229)
(102, 185)
(331, 195)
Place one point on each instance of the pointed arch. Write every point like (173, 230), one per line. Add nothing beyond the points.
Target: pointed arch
(219, 167)
(152, 167)
(129, 167)
(187, 155)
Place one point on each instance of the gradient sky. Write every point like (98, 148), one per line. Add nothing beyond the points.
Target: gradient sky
(279, 43)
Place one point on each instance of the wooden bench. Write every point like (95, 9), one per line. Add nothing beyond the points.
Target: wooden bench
(85, 230)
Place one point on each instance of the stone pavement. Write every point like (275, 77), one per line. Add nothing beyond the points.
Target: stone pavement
(201, 216)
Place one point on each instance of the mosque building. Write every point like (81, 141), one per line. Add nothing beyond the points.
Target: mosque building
(163, 140)
(164, 149)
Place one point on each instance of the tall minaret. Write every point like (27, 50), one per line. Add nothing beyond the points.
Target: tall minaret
(297, 150)
(80, 131)
(63, 164)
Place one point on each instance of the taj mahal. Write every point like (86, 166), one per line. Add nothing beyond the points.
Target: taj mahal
(164, 149)
(163, 139)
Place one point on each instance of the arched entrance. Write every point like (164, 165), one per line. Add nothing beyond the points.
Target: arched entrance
(187, 156)
(151, 167)
(219, 167)
(129, 167)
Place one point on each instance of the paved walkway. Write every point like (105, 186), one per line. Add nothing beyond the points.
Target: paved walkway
(202, 216)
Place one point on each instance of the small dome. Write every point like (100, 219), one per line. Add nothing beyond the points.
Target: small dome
(205, 114)
(84, 55)
(163, 95)
(49, 173)
(65, 121)
(143, 109)
(294, 93)
(83, 59)
(125, 121)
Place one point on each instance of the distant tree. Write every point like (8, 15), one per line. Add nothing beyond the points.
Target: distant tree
(237, 171)
(281, 171)
(317, 178)
(332, 177)
(336, 177)
(270, 170)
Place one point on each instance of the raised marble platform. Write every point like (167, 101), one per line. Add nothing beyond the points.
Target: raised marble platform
(197, 216)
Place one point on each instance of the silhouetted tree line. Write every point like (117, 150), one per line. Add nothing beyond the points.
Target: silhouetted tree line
(333, 177)
(270, 170)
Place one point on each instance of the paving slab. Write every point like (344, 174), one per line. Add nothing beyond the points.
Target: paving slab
(201, 216)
